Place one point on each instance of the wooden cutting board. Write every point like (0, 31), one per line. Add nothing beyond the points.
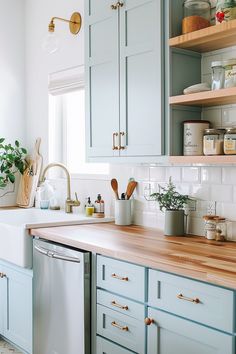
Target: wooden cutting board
(30, 179)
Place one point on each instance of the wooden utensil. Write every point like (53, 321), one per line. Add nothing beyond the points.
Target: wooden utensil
(30, 179)
(130, 189)
(114, 186)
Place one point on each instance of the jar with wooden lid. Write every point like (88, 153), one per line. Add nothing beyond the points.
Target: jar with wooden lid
(193, 136)
(213, 142)
(210, 226)
(197, 15)
(230, 141)
(221, 229)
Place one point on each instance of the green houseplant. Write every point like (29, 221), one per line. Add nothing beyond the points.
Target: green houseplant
(173, 203)
(12, 161)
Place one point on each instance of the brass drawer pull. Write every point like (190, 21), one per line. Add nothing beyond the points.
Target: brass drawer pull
(119, 278)
(115, 147)
(182, 297)
(117, 5)
(121, 147)
(122, 328)
(114, 7)
(113, 303)
(148, 321)
(2, 275)
(120, 4)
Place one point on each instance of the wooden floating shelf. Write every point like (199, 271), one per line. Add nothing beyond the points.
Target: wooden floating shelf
(207, 39)
(207, 99)
(203, 160)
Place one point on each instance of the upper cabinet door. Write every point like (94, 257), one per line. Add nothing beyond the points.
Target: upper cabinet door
(141, 85)
(102, 77)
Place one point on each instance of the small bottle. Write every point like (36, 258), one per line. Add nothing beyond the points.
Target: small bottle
(89, 208)
(99, 207)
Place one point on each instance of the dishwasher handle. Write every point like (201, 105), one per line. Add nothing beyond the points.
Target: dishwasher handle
(55, 255)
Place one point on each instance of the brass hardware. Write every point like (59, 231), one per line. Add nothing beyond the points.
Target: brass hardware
(148, 321)
(70, 203)
(182, 297)
(114, 141)
(114, 7)
(113, 303)
(75, 23)
(120, 4)
(3, 275)
(122, 328)
(120, 145)
(119, 278)
(117, 5)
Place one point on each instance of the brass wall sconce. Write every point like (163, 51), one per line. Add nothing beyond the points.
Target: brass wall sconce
(51, 42)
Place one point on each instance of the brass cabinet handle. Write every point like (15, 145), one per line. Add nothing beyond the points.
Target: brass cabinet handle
(3, 275)
(148, 321)
(117, 5)
(121, 147)
(113, 303)
(122, 328)
(120, 4)
(114, 7)
(182, 297)
(115, 147)
(119, 278)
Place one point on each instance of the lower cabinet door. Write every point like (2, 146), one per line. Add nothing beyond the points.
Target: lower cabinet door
(121, 329)
(106, 347)
(172, 335)
(18, 311)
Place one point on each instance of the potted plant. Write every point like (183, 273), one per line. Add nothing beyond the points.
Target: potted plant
(12, 161)
(173, 204)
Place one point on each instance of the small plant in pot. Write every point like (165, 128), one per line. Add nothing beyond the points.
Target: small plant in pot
(12, 161)
(173, 204)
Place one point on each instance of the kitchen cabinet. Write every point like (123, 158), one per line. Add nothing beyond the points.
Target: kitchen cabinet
(169, 334)
(16, 305)
(124, 76)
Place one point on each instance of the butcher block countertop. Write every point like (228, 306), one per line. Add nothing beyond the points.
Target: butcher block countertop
(190, 256)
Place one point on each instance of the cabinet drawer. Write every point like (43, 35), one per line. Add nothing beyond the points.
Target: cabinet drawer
(204, 303)
(124, 306)
(120, 277)
(121, 329)
(104, 346)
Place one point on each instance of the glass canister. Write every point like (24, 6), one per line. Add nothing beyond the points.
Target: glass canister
(210, 226)
(230, 73)
(193, 136)
(197, 15)
(225, 11)
(221, 229)
(213, 142)
(218, 75)
(230, 141)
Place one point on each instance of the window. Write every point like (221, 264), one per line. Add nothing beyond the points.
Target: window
(67, 126)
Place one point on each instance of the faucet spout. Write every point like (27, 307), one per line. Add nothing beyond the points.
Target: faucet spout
(69, 202)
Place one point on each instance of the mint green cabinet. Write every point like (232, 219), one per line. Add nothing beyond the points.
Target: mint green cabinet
(124, 72)
(169, 334)
(16, 305)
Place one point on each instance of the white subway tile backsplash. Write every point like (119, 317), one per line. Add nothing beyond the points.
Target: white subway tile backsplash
(190, 174)
(158, 174)
(228, 210)
(210, 175)
(229, 175)
(174, 173)
(141, 173)
(200, 191)
(213, 115)
(221, 193)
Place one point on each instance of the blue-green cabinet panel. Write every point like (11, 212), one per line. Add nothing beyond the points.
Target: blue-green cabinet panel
(122, 278)
(106, 347)
(121, 329)
(141, 79)
(102, 77)
(215, 306)
(172, 335)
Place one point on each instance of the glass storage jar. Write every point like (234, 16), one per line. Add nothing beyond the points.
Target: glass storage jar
(218, 75)
(230, 73)
(193, 136)
(225, 10)
(197, 15)
(210, 226)
(230, 141)
(213, 142)
(221, 229)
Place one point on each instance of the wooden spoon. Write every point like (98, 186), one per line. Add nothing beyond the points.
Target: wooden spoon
(130, 189)
(114, 186)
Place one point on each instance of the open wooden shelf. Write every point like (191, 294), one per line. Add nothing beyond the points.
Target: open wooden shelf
(203, 160)
(207, 39)
(206, 99)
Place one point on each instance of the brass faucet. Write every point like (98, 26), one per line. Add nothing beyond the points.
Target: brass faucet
(70, 203)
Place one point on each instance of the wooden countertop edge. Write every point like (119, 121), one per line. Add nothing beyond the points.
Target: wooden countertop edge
(181, 266)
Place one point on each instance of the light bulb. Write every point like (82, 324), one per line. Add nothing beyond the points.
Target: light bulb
(51, 43)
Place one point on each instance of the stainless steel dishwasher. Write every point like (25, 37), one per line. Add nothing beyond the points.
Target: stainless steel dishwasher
(61, 299)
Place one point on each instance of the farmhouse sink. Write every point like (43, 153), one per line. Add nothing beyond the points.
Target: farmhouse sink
(15, 242)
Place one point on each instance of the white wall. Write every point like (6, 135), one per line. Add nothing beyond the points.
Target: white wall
(12, 43)
(39, 64)
(12, 98)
